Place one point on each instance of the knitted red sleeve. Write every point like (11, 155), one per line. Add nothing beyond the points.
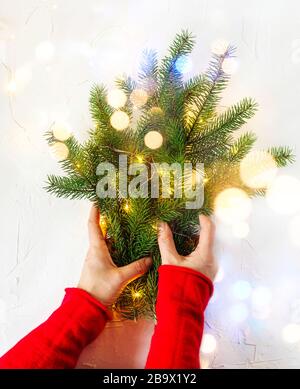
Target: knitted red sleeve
(58, 342)
(183, 295)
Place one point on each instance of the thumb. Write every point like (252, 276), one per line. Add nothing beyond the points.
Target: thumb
(166, 243)
(136, 268)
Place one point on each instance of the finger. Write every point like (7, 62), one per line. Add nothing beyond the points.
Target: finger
(135, 269)
(207, 234)
(166, 243)
(95, 233)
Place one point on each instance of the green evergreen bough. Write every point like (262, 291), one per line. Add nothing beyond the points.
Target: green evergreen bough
(185, 113)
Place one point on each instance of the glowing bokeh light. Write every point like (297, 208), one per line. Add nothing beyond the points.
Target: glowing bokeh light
(241, 289)
(136, 294)
(59, 150)
(139, 97)
(103, 224)
(219, 46)
(240, 230)
(258, 169)
(44, 51)
(21, 77)
(291, 333)
(283, 195)
(230, 65)
(294, 230)
(119, 120)
(153, 139)
(61, 131)
(239, 312)
(140, 158)
(261, 296)
(116, 98)
(183, 64)
(126, 207)
(232, 205)
(208, 344)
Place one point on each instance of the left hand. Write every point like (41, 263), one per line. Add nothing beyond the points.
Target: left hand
(100, 276)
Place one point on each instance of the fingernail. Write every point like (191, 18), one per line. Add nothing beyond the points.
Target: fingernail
(161, 226)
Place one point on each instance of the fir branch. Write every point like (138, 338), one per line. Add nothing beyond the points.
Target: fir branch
(241, 147)
(126, 84)
(214, 141)
(282, 155)
(100, 110)
(217, 80)
(168, 74)
(70, 187)
(148, 69)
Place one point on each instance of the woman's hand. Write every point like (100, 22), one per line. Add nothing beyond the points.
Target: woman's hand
(100, 276)
(201, 259)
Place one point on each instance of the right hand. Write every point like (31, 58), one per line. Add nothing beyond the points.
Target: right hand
(202, 259)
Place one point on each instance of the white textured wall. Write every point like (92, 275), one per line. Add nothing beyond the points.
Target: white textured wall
(43, 239)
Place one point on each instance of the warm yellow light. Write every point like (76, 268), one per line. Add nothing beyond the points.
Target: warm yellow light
(208, 344)
(291, 333)
(116, 98)
(136, 294)
(61, 131)
(232, 205)
(258, 169)
(126, 207)
(119, 120)
(78, 165)
(103, 224)
(283, 195)
(156, 111)
(59, 150)
(140, 158)
(139, 97)
(153, 139)
(154, 226)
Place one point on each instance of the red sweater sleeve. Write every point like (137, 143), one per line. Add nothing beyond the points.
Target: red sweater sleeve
(58, 342)
(183, 295)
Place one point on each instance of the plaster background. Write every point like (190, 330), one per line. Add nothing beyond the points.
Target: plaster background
(43, 239)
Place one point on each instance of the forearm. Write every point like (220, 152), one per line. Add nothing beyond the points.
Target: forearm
(182, 298)
(58, 342)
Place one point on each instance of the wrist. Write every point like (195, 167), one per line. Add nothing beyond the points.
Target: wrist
(183, 285)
